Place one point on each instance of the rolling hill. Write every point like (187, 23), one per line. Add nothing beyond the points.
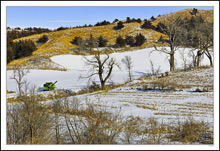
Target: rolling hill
(59, 41)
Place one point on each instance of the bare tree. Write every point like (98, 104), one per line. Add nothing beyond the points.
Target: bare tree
(18, 76)
(204, 41)
(57, 109)
(153, 70)
(101, 67)
(193, 56)
(172, 28)
(199, 36)
(128, 64)
(183, 57)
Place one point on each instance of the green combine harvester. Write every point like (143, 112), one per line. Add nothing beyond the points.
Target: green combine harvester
(48, 86)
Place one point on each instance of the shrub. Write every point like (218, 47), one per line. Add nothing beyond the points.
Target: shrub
(198, 90)
(93, 87)
(192, 131)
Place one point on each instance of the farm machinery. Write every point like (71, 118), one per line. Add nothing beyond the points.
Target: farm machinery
(48, 86)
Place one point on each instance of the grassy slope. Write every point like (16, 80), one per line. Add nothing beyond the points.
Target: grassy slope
(59, 41)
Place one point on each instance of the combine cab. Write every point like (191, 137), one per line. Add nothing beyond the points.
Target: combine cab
(48, 86)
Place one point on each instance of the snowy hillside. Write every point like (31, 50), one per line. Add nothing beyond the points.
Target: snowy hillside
(77, 67)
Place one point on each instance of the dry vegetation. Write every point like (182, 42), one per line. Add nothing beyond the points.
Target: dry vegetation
(68, 121)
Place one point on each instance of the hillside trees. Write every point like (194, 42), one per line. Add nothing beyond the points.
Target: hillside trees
(128, 20)
(91, 42)
(129, 40)
(119, 25)
(147, 25)
(43, 39)
(102, 42)
(152, 18)
(101, 66)
(10, 52)
(120, 42)
(23, 48)
(76, 41)
(172, 28)
(194, 11)
(116, 20)
(139, 39)
(102, 23)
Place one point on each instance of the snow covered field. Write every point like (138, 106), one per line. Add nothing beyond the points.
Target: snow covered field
(169, 107)
(76, 68)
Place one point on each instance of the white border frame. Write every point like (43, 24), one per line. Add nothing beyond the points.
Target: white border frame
(4, 4)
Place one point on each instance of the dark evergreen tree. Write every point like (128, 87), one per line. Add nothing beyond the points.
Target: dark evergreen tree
(128, 20)
(119, 25)
(129, 40)
(120, 42)
(161, 40)
(76, 41)
(194, 11)
(116, 20)
(61, 28)
(17, 28)
(102, 42)
(43, 39)
(10, 52)
(133, 20)
(24, 48)
(140, 39)
(138, 20)
(91, 42)
(152, 18)
(147, 25)
(161, 28)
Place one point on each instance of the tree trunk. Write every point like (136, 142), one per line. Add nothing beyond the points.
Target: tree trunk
(210, 57)
(102, 85)
(172, 65)
(198, 60)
